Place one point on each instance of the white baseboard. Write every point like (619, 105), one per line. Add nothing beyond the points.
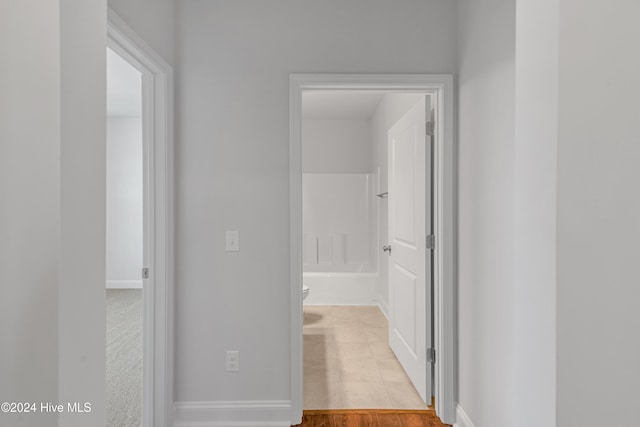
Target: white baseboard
(245, 413)
(384, 307)
(462, 419)
(124, 284)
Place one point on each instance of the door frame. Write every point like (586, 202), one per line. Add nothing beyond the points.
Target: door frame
(157, 100)
(441, 85)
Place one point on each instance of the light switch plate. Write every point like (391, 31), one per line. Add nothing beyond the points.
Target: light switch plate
(232, 241)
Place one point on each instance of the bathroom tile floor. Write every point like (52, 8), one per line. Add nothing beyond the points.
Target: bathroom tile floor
(348, 363)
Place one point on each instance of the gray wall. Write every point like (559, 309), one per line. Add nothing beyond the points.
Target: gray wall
(124, 202)
(336, 146)
(508, 91)
(152, 20)
(486, 275)
(81, 321)
(52, 193)
(233, 161)
(536, 135)
(598, 213)
(575, 216)
(29, 206)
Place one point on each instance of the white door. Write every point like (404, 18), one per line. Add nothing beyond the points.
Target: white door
(409, 259)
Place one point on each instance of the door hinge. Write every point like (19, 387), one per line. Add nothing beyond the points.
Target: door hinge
(431, 355)
(145, 273)
(431, 242)
(429, 128)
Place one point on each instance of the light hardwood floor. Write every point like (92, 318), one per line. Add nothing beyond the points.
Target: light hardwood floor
(348, 363)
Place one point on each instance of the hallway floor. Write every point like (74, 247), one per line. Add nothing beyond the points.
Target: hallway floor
(348, 363)
(370, 418)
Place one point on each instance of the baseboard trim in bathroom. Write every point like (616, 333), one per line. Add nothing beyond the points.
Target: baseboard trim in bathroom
(384, 307)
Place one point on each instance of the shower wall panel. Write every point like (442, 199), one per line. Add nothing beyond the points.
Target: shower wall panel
(337, 215)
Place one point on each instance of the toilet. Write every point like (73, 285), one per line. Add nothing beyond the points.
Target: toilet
(305, 292)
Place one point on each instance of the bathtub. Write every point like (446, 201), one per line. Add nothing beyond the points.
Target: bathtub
(340, 238)
(338, 288)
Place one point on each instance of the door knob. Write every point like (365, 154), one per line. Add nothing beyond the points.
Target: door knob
(387, 248)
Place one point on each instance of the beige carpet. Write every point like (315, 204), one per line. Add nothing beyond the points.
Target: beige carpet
(348, 363)
(124, 358)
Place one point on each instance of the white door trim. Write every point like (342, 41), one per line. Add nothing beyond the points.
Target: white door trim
(157, 86)
(441, 85)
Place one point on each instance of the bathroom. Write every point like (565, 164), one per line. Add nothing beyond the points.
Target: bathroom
(347, 360)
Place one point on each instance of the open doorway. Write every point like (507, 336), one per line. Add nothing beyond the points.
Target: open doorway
(348, 361)
(125, 243)
(440, 88)
(125, 252)
(148, 164)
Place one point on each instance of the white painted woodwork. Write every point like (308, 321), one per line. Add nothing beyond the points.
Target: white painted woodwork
(157, 113)
(409, 262)
(440, 87)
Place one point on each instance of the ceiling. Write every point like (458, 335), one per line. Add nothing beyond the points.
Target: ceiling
(124, 87)
(340, 104)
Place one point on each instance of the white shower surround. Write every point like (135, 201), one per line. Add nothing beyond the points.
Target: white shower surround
(338, 211)
(340, 214)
